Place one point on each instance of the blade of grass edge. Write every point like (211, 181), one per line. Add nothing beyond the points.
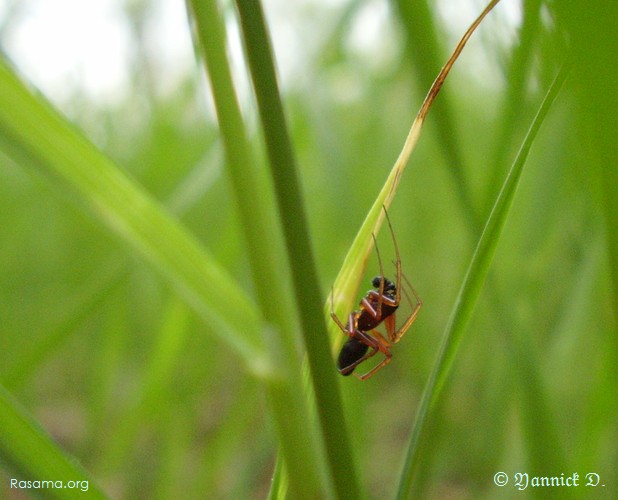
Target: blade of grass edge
(352, 270)
(266, 257)
(29, 451)
(336, 443)
(36, 136)
(511, 111)
(424, 48)
(471, 287)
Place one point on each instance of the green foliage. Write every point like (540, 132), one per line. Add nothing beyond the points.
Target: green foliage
(30, 453)
(159, 290)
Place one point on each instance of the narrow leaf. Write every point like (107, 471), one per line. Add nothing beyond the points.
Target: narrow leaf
(471, 288)
(266, 257)
(32, 455)
(348, 280)
(38, 138)
(307, 290)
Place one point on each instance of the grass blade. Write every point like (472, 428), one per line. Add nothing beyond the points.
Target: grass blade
(266, 256)
(294, 222)
(424, 49)
(33, 456)
(471, 288)
(347, 282)
(37, 137)
(595, 83)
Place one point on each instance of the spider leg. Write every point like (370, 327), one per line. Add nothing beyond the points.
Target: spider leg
(391, 327)
(381, 288)
(366, 340)
(377, 343)
(334, 317)
(396, 337)
(387, 359)
(397, 258)
(375, 369)
(374, 297)
(418, 299)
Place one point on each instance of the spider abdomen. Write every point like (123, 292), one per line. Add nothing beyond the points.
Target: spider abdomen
(351, 352)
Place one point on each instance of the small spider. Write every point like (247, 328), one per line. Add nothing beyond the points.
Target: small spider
(376, 307)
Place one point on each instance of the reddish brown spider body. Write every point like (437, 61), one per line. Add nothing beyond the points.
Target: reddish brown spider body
(377, 307)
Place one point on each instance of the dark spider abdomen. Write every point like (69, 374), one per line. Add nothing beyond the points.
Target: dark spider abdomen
(351, 352)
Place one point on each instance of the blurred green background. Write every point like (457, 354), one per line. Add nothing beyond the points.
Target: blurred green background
(126, 378)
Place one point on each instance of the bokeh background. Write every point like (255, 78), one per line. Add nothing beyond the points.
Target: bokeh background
(126, 378)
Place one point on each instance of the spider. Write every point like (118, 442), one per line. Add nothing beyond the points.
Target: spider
(376, 307)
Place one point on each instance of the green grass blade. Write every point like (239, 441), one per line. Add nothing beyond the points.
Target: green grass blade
(37, 137)
(545, 448)
(595, 77)
(155, 386)
(512, 110)
(267, 259)
(32, 455)
(424, 49)
(348, 280)
(298, 242)
(279, 486)
(471, 288)
(19, 372)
